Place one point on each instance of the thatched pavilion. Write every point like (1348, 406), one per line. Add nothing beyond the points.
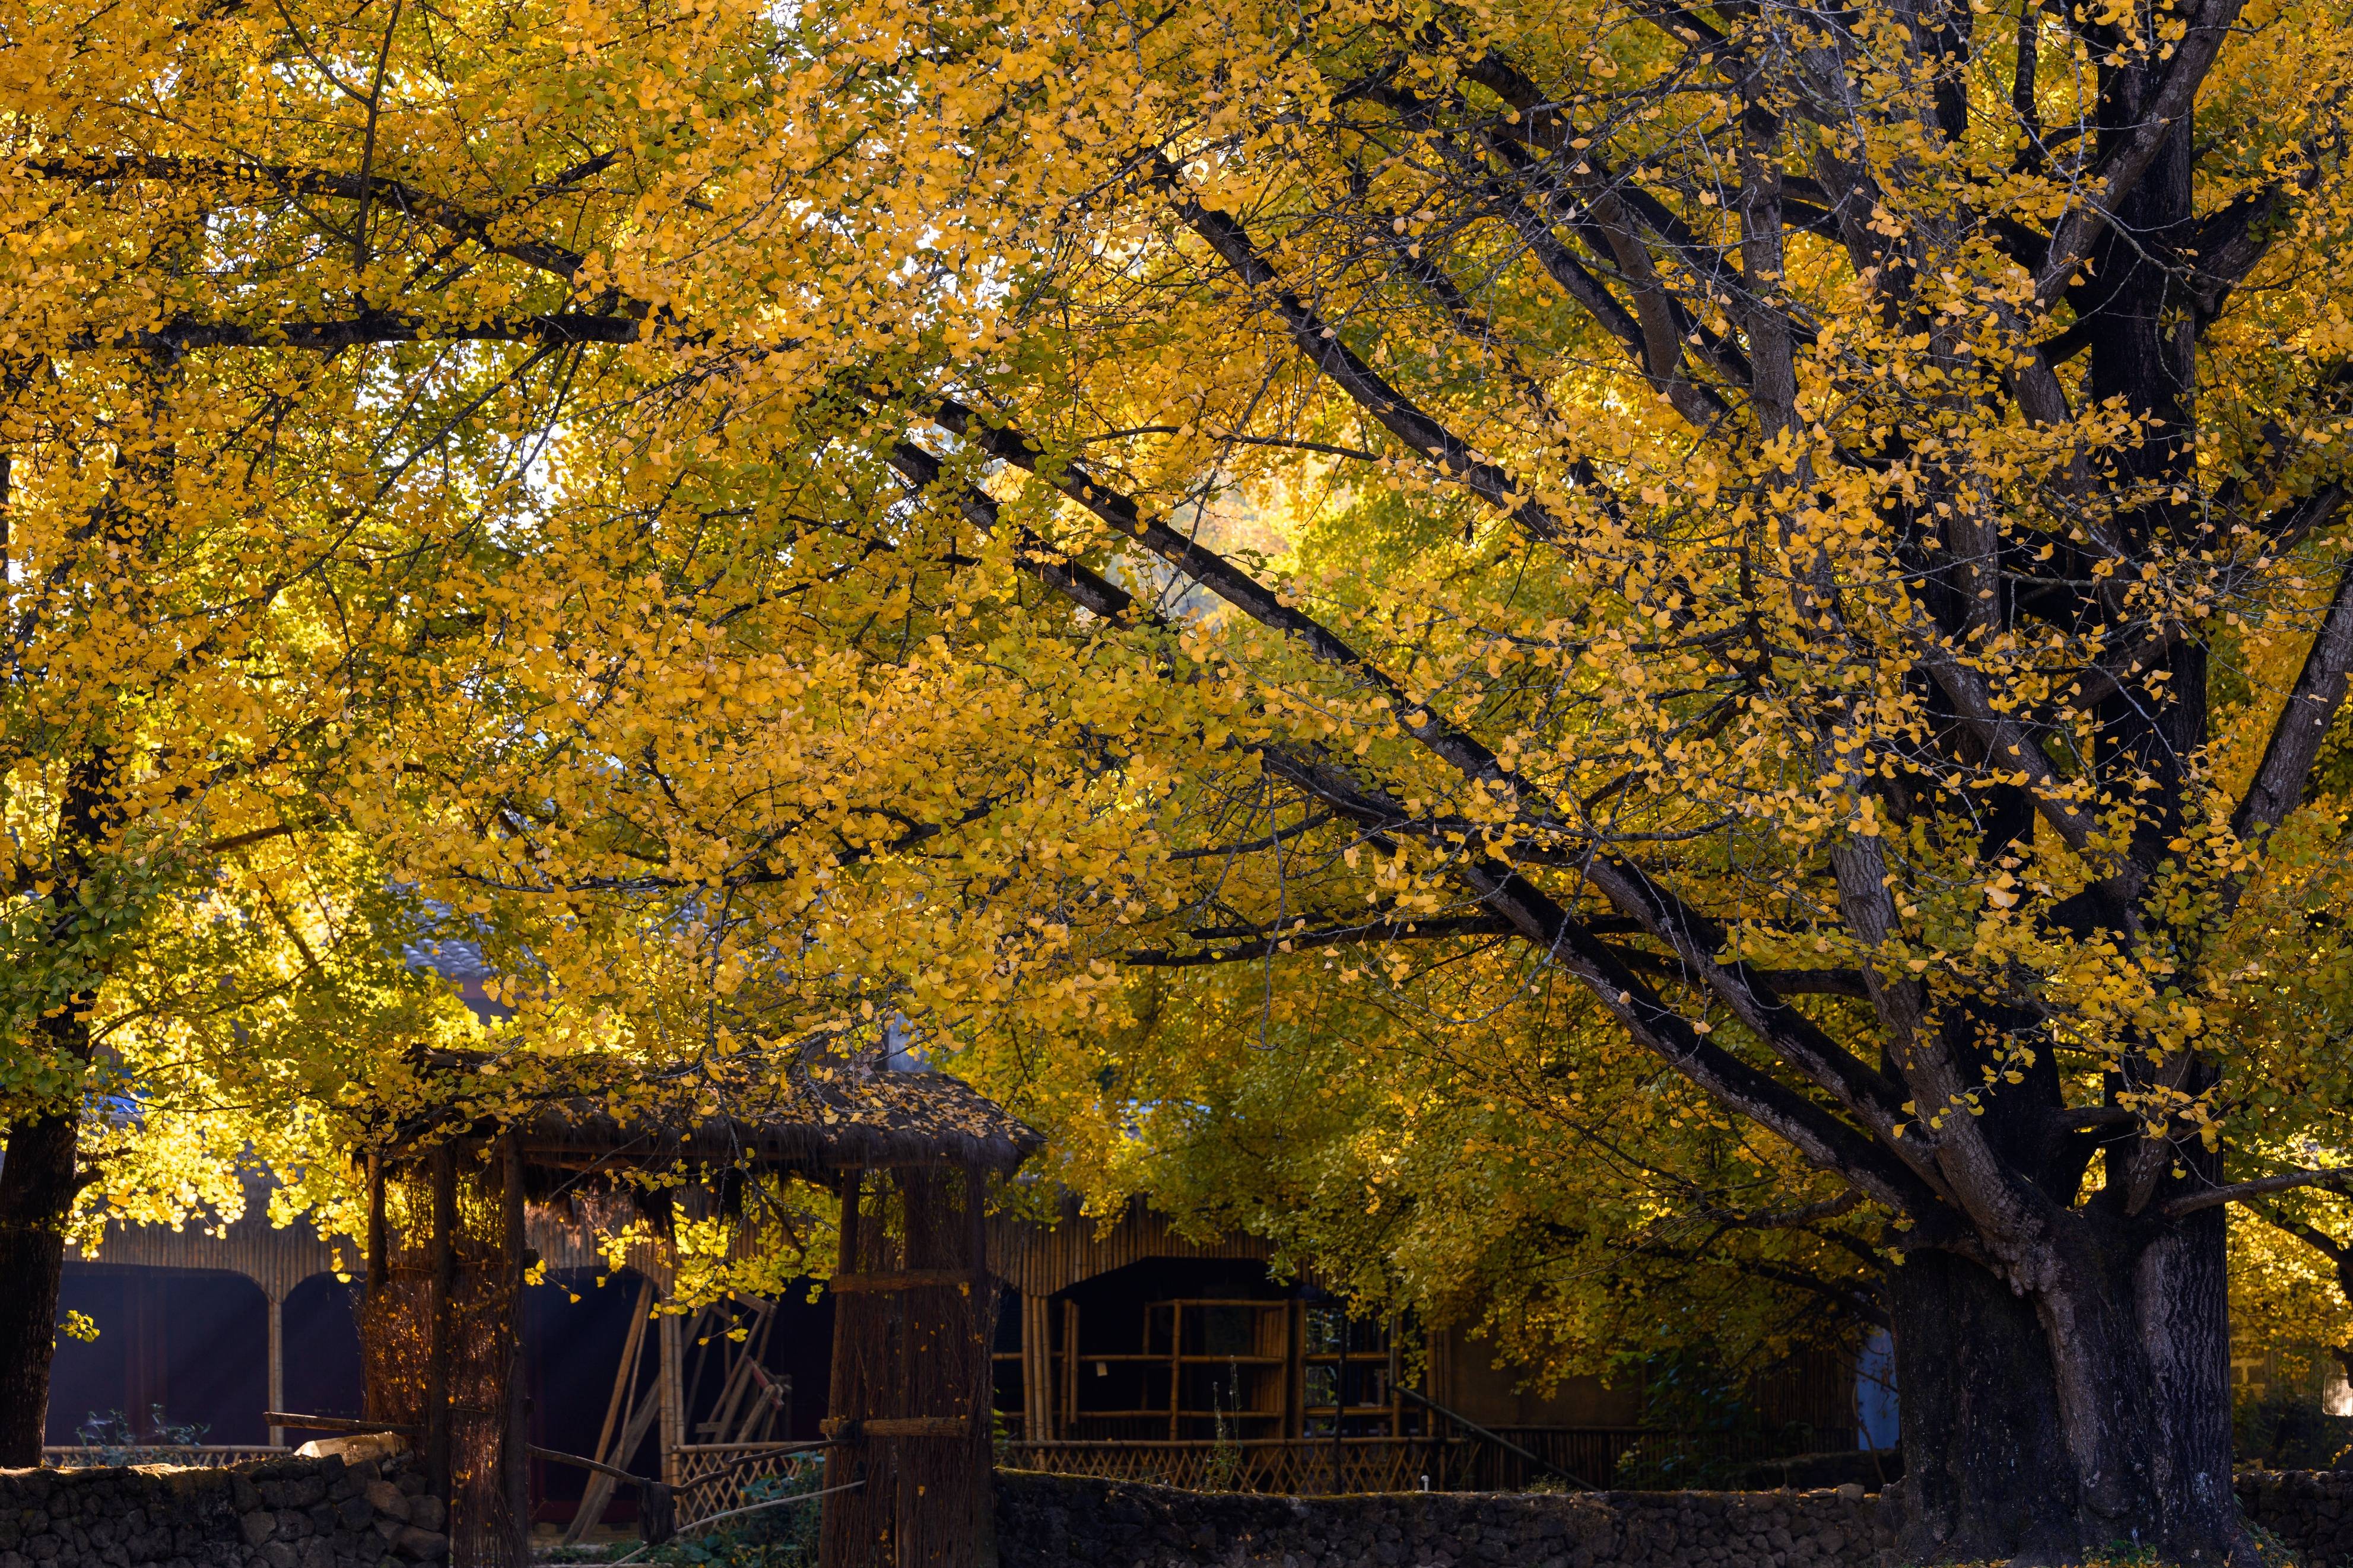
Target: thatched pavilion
(466, 1142)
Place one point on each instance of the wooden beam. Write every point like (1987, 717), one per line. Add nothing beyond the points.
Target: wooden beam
(338, 1423)
(907, 1280)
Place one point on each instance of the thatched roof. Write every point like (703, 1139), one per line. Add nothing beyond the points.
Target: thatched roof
(787, 1107)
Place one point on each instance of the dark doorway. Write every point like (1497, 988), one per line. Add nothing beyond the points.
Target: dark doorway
(179, 1347)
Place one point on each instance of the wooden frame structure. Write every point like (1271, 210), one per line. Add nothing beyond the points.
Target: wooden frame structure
(452, 1165)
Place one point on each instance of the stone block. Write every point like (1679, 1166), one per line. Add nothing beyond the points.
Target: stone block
(422, 1546)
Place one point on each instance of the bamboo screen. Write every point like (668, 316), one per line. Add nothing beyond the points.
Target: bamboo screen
(913, 1317)
(439, 1350)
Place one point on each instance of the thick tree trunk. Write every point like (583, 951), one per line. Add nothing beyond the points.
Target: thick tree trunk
(37, 1190)
(2091, 1413)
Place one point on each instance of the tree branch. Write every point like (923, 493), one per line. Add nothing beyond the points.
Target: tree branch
(2240, 1192)
(1429, 440)
(1277, 943)
(563, 328)
(2120, 168)
(95, 168)
(1082, 586)
(2304, 722)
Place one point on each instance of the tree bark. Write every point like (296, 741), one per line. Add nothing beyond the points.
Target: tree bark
(2089, 1412)
(36, 1191)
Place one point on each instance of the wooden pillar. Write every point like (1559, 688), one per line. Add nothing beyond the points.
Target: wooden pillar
(379, 1270)
(439, 1336)
(1294, 1369)
(377, 1264)
(673, 1400)
(983, 1302)
(841, 1542)
(1339, 1401)
(1037, 1368)
(1070, 1369)
(1397, 1399)
(277, 1367)
(517, 1455)
(1175, 1363)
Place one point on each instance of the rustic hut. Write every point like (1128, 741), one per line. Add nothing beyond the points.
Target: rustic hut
(468, 1143)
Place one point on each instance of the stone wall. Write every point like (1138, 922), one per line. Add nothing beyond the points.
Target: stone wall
(280, 1513)
(2310, 1511)
(373, 1513)
(1063, 1521)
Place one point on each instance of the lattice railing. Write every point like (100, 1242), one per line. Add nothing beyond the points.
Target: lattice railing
(1296, 1467)
(714, 1478)
(190, 1455)
(1509, 1459)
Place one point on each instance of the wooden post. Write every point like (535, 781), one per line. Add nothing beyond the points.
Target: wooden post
(846, 1464)
(1397, 1399)
(986, 1297)
(1175, 1362)
(673, 1405)
(1295, 1368)
(1070, 1369)
(1339, 1398)
(517, 1446)
(443, 1162)
(277, 1367)
(379, 1270)
(1037, 1368)
(377, 1264)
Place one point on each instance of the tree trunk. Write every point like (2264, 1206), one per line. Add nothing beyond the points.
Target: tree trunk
(37, 1190)
(2091, 1413)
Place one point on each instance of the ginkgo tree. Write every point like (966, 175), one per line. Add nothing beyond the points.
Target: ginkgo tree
(1815, 527)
